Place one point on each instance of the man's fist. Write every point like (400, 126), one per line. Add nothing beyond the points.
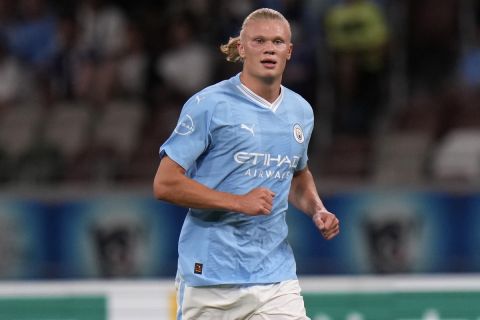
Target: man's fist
(259, 201)
(326, 223)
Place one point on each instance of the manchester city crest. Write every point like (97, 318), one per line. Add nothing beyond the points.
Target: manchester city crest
(298, 133)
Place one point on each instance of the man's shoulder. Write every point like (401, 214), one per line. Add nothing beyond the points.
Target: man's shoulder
(217, 93)
(296, 98)
(213, 101)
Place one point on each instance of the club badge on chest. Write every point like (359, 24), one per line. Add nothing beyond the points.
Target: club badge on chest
(298, 133)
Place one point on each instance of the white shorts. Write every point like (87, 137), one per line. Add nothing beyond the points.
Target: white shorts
(279, 301)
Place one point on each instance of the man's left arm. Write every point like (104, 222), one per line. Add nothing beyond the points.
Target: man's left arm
(304, 196)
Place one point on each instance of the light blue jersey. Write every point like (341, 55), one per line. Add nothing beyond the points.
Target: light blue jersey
(231, 140)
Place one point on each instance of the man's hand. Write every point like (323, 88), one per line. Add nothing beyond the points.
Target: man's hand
(326, 223)
(259, 201)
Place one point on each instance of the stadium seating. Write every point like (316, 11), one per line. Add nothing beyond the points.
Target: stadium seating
(401, 157)
(18, 132)
(457, 157)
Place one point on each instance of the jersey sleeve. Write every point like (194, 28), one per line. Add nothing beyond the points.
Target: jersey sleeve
(191, 136)
(302, 163)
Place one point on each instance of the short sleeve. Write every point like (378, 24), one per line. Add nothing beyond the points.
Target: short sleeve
(190, 138)
(302, 163)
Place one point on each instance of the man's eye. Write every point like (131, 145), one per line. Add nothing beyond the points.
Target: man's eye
(259, 40)
(278, 41)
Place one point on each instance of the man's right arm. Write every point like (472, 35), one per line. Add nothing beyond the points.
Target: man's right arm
(172, 185)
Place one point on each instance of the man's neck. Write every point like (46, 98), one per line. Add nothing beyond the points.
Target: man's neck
(268, 90)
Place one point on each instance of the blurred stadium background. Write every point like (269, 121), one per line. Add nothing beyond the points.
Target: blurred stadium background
(89, 90)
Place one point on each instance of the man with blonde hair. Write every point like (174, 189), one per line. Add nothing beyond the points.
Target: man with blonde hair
(236, 157)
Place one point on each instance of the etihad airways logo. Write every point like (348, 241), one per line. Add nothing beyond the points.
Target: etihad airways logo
(266, 159)
(267, 166)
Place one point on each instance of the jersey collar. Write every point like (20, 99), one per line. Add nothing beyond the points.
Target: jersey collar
(259, 100)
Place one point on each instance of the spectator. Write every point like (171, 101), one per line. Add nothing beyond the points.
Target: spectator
(103, 29)
(65, 69)
(433, 33)
(12, 78)
(102, 40)
(469, 65)
(357, 37)
(132, 69)
(32, 38)
(187, 65)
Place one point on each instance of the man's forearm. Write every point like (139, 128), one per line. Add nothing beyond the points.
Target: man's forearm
(171, 185)
(303, 193)
(304, 196)
(189, 193)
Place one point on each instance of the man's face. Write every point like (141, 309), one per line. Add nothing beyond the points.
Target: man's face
(265, 47)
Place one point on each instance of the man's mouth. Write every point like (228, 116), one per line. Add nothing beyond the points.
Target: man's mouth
(269, 63)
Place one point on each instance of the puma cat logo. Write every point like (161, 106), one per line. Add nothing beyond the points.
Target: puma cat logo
(249, 129)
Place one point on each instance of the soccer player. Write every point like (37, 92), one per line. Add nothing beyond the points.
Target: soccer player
(236, 157)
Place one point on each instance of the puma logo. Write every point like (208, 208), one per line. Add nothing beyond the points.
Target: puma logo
(249, 129)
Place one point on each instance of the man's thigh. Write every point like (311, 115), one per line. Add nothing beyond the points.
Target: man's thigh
(214, 302)
(280, 301)
(283, 303)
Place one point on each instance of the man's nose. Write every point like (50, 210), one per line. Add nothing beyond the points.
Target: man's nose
(269, 47)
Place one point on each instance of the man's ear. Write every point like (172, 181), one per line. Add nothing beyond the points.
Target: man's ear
(290, 50)
(241, 50)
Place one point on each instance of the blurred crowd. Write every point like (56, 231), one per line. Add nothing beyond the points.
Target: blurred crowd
(90, 89)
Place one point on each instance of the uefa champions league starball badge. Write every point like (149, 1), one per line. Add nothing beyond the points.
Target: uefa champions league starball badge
(185, 126)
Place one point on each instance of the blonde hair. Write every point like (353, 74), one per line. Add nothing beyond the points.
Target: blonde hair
(230, 49)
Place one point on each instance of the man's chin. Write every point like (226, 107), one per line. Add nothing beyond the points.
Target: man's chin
(269, 77)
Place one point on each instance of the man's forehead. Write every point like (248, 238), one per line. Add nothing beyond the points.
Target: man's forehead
(268, 27)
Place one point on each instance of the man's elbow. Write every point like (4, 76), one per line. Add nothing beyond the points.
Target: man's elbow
(167, 180)
(161, 190)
